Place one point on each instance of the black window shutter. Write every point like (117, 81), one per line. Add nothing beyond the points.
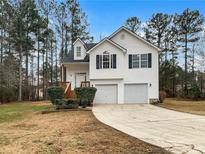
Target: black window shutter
(111, 65)
(149, 60)
(130, 61)
(100, 61)
(114, 61)
(97, 62)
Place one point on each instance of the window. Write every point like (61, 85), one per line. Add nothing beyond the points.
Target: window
(106, 60)
(144, 60)
(136, 61)
(78, 53)
(140, 61)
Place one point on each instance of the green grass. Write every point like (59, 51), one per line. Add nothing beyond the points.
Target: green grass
(16, 111)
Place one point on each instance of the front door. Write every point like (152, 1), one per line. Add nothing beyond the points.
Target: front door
(79, 77)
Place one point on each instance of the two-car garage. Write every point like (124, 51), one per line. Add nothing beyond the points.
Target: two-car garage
(133, 93)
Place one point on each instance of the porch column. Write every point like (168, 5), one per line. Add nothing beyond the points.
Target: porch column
(62, 74)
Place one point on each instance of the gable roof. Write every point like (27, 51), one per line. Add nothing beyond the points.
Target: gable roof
(78, 39)
(135, 35)
(109, 41)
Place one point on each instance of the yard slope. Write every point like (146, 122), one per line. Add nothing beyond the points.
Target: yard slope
(66, 132)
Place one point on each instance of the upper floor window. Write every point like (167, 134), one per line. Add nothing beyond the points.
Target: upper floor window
(144, 60)
(136, 61)
(106, 60)
(140, 60)
(78, 51)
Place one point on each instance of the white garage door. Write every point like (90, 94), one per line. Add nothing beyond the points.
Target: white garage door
(136, 93)
(106, 94)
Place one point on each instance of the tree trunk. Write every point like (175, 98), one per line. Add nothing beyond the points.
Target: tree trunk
(20, 74)
(193, 64)
(46, 71)
(72, 35)
(27, 64)
(185, 57)
(66, 41)
(38, 72)
(51, 62)
(32, 78)
(56, 63)
(1, 45)
(62, 42)
(43, 74)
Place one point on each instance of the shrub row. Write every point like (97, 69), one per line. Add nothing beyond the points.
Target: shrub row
(66, 104)
(85, 95)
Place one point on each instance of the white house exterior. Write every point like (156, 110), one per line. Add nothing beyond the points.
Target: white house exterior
(123, 68)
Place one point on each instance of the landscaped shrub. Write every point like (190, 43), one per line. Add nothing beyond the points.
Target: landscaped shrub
(195, 92)
(55, 93)
(162, 96)
(85, 95)
(66, 104)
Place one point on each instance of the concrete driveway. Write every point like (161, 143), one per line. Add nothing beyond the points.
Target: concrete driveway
(175, 131)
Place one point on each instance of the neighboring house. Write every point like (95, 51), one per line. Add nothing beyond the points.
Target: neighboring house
(123, 67)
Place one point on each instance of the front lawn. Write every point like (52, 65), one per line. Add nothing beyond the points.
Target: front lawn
(194, 107)
(29, 131)
(15, 111)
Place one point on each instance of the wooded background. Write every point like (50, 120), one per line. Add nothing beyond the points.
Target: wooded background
(35, 35)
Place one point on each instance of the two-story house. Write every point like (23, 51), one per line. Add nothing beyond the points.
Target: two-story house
(123, 67)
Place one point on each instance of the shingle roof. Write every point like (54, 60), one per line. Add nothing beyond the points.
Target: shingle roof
(69, 58)
(90, 45)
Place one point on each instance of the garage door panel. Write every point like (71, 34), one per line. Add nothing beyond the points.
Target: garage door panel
(136, 93)
(106, 94)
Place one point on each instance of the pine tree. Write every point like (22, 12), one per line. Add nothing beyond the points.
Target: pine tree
(134, 24)
(61, 15)
(47, 8)
(157, 27)
(188, 24)
(79, 24)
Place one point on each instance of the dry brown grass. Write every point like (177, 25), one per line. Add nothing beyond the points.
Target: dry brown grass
(67, 132)
(194, 107)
